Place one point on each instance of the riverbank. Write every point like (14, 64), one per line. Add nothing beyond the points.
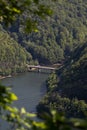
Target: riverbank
(3, 77)
(36, 68)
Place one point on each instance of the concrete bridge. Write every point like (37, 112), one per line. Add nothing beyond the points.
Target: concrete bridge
(39, 68)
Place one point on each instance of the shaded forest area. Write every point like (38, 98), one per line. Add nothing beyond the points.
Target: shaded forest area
(67, 88)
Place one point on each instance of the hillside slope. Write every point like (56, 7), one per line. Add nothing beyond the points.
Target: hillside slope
(67, 89)
(13, 57)
(58, 35)
(74, 76)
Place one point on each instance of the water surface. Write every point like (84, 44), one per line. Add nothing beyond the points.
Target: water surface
(29, 87)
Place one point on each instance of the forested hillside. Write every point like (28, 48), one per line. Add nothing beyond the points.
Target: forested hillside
(13, 58)
(67, 89)
(58, 35)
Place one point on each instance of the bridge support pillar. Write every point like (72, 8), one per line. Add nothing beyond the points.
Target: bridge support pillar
(39, 70)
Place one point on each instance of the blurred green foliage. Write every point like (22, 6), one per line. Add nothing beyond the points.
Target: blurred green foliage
(11, 10)
(22, 120)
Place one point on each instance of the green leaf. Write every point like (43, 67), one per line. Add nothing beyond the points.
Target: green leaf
(23, 111)
(16, 10)
(13, 97)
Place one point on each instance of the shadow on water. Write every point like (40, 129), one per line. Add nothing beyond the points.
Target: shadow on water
(43, 89)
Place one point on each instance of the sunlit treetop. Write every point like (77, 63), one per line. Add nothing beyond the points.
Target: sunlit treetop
(11, 10)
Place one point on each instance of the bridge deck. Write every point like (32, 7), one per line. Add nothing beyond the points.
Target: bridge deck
(41, 67)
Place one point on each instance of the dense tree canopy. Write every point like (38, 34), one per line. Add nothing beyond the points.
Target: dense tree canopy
(13, 58)
(69, 93)
(58, 34)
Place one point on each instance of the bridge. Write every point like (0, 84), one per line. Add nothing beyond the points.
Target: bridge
(39, 68)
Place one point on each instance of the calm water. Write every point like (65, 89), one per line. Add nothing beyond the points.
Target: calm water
(29, 87)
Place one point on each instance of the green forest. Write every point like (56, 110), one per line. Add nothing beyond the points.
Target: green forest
(59, 38)
(58, 35)
(67, 88)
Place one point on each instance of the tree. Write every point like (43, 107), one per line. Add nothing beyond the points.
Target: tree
(13, 9)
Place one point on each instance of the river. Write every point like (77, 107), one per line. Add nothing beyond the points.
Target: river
(29, 87)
